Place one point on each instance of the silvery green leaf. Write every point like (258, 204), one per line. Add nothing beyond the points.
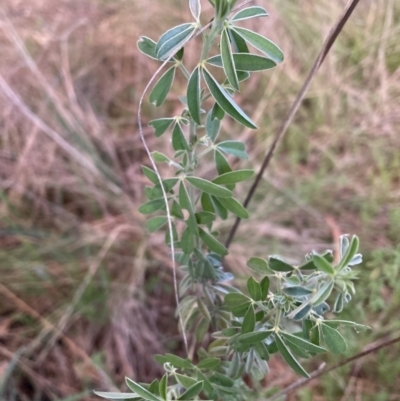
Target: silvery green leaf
(161, 125)
(147, 46)
(233, 177)
(174, 360)
(336, 323)
(344, 244)
(118, 396)
(226, 102)
(234, 207)
(303, 344)
(212, 127)
(194, 95)
(195, 8)
(245, 62)
(261, 43)
(351, 251)
(323, 265)
(333, 339)
(258, 265)
(339, 303)
(249, 321)
(235, 148)
(297, 291)
(249, 12)
(254, 336)
(162, 87)
(173, 40)
(137, 388)
(178, 139)
(185, 381)
(221, 163)
(160, 157)
(356, 260)
(288, 356)
(238, 43)
(253, 286)
(209, 187)
(212, 243)
(209, 363)
(322, 294)
(227, 60)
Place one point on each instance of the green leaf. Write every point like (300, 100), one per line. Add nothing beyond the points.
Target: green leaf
(323, 265)
(152, 206)
(209, 363)
(220, 210)
(249, 12)
(162, 87)
(185, 381)
(147, 46)
(262, 350)
(221, 163)
(254, 289)
(174, 360)
(258, 265)
(204, 217)
(195, 8)
(233, 177)
(138, 389)
(194, 95)
(303, 344)
(163, 387)
(333, 339)
(150, 174)
(212, 243)
(234, 299)
(176, 210)
(254, 337)
(264, 285)
(227, 60)
(351, 251)
(249, 321)
(161, 125)
(322, 294)
(184, 199)
(206, 203)
(117, 396)
(270, 49)
(178, 139)
(209, 187)
(159, 157)
(217, 112)
(226, 102)
(235, 148)
(288, 357)
(238, 43)
(278, 265)
(245, 62)
(235, 207)
(156, 223)
(212, 127)
(172, 40)
(187, 241)
(355, 326)
(297, 291)
(192, 391)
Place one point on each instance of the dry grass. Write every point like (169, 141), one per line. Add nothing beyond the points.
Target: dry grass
(81, 295)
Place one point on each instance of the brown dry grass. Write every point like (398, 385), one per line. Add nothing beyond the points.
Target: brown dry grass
(81, 295)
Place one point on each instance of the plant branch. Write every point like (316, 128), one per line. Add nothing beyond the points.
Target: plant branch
(380, 344)
(330, 40)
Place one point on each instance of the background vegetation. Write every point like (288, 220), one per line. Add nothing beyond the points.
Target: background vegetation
(86, 293)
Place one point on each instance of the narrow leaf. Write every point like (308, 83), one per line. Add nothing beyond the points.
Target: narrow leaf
(212, 127)
(245, 62)
(156, 223)
(254, 337)
(192, 391)
(161, 125)
(172, 40)
(152, 206)
(227, 60)
(323, 265)
(209, 363)
(163, 387)
(249, 12)
(235, 148)
(238, 43)
(195, 8)
(193, 95)
(118, 396)
(137, 388)
(150, 174)
(147, 46)
(258, 265)
(297, 291)
(221, 163)
(333, 339)
(184, 199)
(235, 207)
(253, 286)
(264, 285)
(249, 321)
(303, 344)
(234, 299)
(185, 381)
(204, 217)
(220, 210)
(279, 265)
(270, 49)
(233, 177)
(209, 187)
(212, 243)
(288, 357)
(162, 87)
(217, 112)
(178, 139)
(226, 102)
(187, 241)
(174, 360)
